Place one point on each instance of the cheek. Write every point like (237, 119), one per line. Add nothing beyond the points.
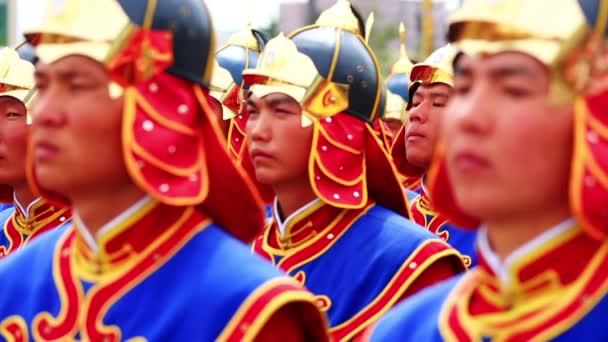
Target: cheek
(98, 124)
(435, 121)
(16, 140)
(296, 142)
(16, 136)
(447, 127)
(536, 144)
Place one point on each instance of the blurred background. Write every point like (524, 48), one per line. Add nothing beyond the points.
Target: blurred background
(425, 20)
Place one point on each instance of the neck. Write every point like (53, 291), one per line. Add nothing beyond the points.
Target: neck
(24, 195)
(508, 234)
(292, 197)
(96, 208)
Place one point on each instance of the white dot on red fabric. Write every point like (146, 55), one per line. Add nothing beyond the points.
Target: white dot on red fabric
(318, 178)
(349, 137)
(328, 120)
(163, 187)
(172, 149)
(324, 148)
(193, 178)
(336, 196)
(592, 137)
(148, 126)
(183, 109)
(341, 168)
(356, 194)
(413, 265)
(62, 219)
(237, 139)
(153, 87)
(330, 236)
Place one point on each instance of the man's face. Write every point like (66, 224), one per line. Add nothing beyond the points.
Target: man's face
(13, 141)
(279, 146)
(76, 131)
(508, 147)
(424, 117)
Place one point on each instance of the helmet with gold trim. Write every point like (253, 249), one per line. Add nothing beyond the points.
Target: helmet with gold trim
(16, 81)
(437, 68)
(147, 47)
(334, 75)
(573, 50)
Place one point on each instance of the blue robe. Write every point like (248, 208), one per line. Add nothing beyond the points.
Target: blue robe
(424, 214)
(159, 274)
(557, 290)
(358, 263)
(19, 229)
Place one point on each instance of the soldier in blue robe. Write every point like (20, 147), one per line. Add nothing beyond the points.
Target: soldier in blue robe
(414, 146)
(24, 215)
(158, 249)
(543, 248)
(340, 222)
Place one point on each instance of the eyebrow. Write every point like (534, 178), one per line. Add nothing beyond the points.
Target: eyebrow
(432, 94)
(513, 71)
(499, 72)
(281, 101)
(66, 75)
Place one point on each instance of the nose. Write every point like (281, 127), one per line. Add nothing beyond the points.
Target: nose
(472, 113)
(259, 127)
(418, 114)
(47, 110)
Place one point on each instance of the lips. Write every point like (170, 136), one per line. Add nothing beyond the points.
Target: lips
(414, 134)
(468, 161)
(45, 151)
(257, 154)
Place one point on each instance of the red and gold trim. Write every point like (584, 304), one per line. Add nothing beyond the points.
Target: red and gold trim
(421, 210)
(315, 231)
(548, 292)
(128, 254)
(419, 261)
(14, 329)
(42, 217)
(412, 183)
(384, 134)
(425, 215)
(45, 327)
(237, 136)
(337, 164)
(589, 177)
(261, 305)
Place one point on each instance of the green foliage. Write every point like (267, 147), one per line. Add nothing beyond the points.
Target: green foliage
(3, 23)
(380, 42)
(272, 29)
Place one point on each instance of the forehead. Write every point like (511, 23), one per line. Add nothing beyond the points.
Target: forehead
(75, 64)
(273, 98)
(490, 63)
(435, 89)
(6, 101)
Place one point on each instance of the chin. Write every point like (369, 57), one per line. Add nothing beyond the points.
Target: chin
(266, 177)
(51, 180)
(418, 159)
(479, 203)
